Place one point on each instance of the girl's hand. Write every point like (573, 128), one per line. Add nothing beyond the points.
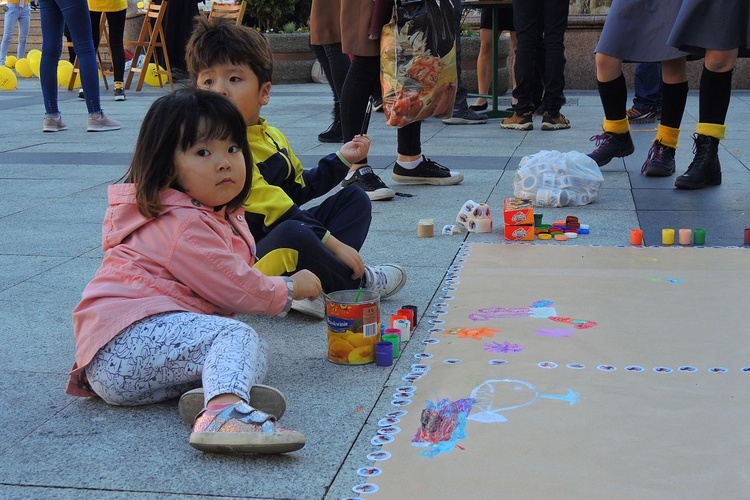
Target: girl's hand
(306, 285)
(356, 149)
(347, 255)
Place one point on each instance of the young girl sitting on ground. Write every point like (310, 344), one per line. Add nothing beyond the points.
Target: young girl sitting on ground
(155, 320)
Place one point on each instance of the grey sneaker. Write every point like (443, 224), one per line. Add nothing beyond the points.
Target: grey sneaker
(385, 280)
(120, 94)
(262, 397)
(315, 308)
(373, 185)
(99, 122)
(466, 117)
(53, 123)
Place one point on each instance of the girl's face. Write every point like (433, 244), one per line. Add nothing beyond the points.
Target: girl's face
(211, 171)
(240, 84)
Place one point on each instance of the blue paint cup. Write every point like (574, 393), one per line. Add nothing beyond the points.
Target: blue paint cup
(384, 353)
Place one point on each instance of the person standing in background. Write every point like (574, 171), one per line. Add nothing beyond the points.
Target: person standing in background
(16, 11)
(115, 11)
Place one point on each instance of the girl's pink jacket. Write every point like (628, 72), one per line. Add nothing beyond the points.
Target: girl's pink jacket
(189, 258)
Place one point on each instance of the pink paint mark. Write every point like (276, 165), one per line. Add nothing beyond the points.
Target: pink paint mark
(506, 347)
(557, 333)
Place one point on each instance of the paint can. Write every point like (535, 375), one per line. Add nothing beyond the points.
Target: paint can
(353, 322)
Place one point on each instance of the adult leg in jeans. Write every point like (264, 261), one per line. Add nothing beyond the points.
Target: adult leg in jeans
(647, 86)
(22, 16)
(76, 14)
(525, 20)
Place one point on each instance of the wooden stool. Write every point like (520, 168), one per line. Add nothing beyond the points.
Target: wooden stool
(150, 39)
(103, 43)
(235, 12)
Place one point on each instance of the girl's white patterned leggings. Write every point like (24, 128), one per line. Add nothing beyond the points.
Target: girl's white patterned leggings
(162, 356)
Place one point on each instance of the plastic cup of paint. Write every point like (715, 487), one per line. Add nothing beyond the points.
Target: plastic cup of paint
(414, 315)
(384, 353)
(393, 339)
(636, 237)
(667, 236)
(699, 236)
(685, 236)
(747, 236)
(537, 220)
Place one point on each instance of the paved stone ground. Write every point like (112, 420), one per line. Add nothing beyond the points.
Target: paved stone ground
(53, 198)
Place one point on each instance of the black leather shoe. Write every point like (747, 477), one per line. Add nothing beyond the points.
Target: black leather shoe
(333, 133)
(705, 170)
(660, 161)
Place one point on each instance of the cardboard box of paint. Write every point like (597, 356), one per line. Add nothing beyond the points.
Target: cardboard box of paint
(519, 233)
(518, 212)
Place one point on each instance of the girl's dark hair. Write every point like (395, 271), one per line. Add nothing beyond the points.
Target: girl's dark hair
(174, 122)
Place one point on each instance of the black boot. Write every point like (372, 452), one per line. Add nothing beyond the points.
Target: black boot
(333, 133)
(705, 169)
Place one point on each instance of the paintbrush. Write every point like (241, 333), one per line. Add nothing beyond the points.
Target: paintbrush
(368, 113)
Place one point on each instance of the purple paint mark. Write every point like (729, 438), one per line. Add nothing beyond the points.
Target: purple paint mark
(557, 333)
(506, 347)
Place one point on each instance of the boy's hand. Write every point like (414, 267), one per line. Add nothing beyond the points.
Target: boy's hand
(356, 149)
(347, 255)
(306, 285)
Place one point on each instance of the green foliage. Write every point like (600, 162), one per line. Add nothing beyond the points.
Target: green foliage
(467, 30)
(270, 14)
(289, 27)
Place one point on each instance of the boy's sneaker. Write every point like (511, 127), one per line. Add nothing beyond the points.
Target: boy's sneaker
(609, 145)
(315, 308)
(375, 188)
(660, 161)
(519, 122)
(53, 124)
(263, 397)
(119, 94)
(102, 123)
(466, 117)
(554, 122)
(241, 428)
(427, 172)
(385, 280)
(636, 116)
(81, 95)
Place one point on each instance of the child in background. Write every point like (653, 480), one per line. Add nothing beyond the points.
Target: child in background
(155, 320)
(326, 239)
(16, 11)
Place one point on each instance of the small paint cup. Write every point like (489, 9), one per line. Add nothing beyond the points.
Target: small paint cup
(699, 236)
(384, 353)
(537, 219)
(747, 236)
(393, 339)
(636, 237)
(685, 236)
(667, 236)
(393, 331)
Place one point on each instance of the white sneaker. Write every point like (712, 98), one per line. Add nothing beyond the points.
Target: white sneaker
(386, 279)
(102, 123)
(315, 308)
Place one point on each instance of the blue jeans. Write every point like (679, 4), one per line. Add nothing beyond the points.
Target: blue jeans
(22, 16)
(75, 14)
(647, 86)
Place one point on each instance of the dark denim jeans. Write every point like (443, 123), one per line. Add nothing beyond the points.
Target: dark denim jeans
(647, 86)
(554, 22)
(74, 14)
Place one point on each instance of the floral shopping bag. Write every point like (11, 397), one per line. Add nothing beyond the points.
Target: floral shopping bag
(418, 62)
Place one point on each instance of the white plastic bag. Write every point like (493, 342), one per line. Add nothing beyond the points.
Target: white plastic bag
(555, 179)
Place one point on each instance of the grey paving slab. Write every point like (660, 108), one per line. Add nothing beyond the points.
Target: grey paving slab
(54, 196)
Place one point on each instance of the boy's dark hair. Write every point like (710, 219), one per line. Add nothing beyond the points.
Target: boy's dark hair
(174, 122)
(220, 41)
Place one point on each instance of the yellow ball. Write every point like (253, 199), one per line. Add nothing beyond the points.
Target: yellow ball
(10, 61)
(34, 64)
(23, 69)
(64, 72)
(8, 80)
(34, 54)
(64, 62)
(152, 75)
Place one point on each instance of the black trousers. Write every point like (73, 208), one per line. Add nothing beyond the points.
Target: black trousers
(554, 22)
(292, 245)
